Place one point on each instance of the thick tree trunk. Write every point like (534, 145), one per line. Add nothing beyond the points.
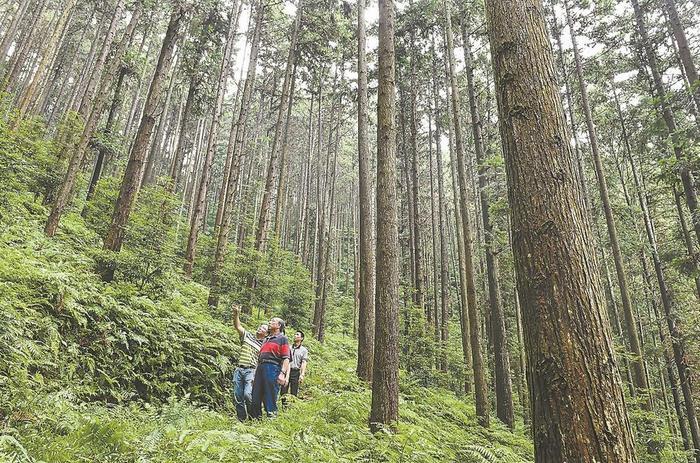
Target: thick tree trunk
(571, 361)
(365, 323)
(385, 385)
(137, 157)
(480, 391)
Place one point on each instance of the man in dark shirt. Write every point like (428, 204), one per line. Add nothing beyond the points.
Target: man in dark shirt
(272, 371)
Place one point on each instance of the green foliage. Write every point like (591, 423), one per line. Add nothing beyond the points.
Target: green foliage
(282, 285)
(149, 245)
(28, 162)
(66, 330)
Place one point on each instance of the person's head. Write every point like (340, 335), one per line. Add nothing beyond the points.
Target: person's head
(276, 325)
(298, 337)
(262, 331)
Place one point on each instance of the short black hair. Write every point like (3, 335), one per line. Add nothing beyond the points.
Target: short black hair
(300, 332)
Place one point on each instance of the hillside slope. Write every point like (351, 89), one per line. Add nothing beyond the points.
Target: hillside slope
(97, 372)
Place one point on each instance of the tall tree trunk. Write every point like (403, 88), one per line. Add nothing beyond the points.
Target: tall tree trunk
(432, 311)
(224, 70)
(20, 53)
(571, 361)
(199, 214)
(677, 342)
(96, 71)
(277, 143)
(282, 180)
(156, 147)
(480, 392)
(504, 388)
(49, 50)
(9, 36)
(234, 152)
(684, 170)
(65, 192)
(687, 238)
(637, 363)
(137, 157)
(385, 386)
(325, 270)
(419, 295)
(463, 317)
(442, 226)
(684, 52)
(111, 116)
(365, 323)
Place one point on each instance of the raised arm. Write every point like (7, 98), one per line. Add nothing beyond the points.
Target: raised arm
(236, 310)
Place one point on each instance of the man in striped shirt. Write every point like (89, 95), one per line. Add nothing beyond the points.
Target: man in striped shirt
(247, 362)
(272, 371)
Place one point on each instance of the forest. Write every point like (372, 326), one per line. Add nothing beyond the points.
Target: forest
(483, 213)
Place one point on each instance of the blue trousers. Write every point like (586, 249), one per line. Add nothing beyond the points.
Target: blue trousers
(265, 389)
(243, 391)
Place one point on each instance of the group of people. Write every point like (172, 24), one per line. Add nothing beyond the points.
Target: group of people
(266, 364)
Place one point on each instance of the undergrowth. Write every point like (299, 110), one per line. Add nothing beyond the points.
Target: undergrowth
(98, 372)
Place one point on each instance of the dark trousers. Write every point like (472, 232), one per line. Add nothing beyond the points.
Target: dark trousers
(293, 385)
(265, 389)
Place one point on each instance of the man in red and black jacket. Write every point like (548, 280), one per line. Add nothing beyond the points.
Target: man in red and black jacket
(272, 371)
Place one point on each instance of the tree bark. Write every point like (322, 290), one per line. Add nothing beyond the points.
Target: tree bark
(571, 361)
(480, 391)
(385, 386)
(137, 157)
(504, 387)
(365, 323)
